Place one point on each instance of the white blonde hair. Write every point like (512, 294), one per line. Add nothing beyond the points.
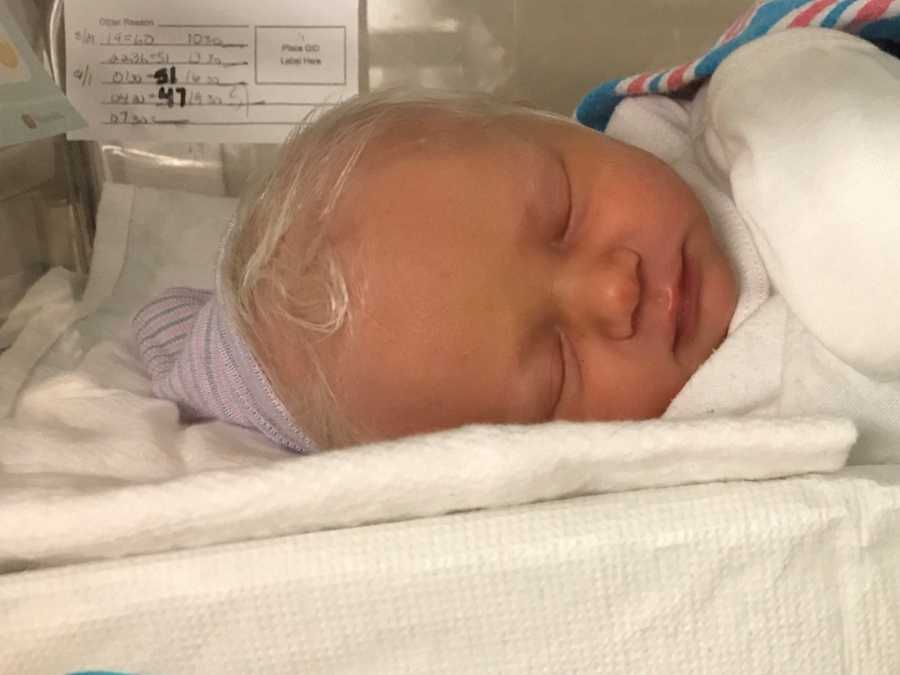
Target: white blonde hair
(307, 290)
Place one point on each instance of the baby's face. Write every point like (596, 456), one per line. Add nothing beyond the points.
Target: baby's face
(531, 272)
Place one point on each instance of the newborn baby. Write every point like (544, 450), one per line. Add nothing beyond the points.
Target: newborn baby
(417, 262)
(474, 262)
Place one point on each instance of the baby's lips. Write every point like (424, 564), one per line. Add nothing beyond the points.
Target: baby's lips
(664, 303)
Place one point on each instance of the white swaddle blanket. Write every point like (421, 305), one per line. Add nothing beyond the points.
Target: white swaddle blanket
(793, 148)
(93, 466)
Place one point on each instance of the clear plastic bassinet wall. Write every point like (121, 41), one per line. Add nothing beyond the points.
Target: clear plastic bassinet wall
(546, 53)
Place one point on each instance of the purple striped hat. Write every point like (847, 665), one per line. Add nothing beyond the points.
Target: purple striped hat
(196, 357)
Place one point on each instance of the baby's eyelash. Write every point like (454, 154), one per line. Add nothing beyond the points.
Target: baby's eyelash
(567, 221)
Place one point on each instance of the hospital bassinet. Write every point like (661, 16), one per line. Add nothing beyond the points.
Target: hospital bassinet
(191, 553)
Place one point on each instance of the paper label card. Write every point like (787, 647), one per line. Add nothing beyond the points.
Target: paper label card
(243, 71)
(31, 106)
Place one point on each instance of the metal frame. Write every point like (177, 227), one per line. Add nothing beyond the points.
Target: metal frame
(80, 174)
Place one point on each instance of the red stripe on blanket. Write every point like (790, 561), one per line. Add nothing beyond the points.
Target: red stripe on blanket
(739, 25)
(734, 28)
(676, 77)
(637, 84)
(870, 11)
(807, 15)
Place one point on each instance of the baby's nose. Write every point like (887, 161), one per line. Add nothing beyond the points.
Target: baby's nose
(609, 293)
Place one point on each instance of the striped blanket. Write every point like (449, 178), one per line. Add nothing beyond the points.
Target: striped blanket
(875, 20)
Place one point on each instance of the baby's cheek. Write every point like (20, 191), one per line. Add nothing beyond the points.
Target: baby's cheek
(635, 385)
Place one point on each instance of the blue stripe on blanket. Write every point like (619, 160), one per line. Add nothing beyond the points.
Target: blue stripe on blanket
(835, 14)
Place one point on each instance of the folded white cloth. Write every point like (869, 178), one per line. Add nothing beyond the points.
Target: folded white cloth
(92, 465)
(91, 471)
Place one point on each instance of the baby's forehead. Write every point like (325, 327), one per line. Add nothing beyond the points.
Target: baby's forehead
(436, 134)
(414, 148)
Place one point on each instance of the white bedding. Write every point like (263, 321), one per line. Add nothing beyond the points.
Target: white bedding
(722, 577)
(795, 576)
